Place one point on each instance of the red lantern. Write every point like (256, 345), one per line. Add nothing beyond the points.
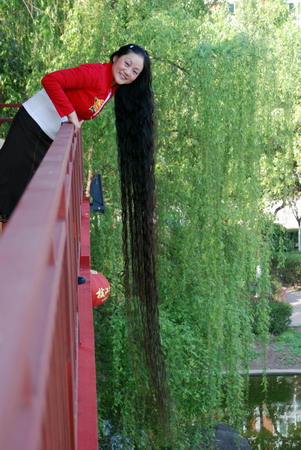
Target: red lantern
(100, 287)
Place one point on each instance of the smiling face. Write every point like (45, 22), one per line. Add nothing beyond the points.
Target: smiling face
(127, 68)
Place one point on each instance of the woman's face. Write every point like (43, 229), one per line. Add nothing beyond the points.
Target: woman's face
(127, 68)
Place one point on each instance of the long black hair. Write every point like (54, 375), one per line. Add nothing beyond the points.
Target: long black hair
(134, 109)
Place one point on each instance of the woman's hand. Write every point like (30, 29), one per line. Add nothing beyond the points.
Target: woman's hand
(74, 119)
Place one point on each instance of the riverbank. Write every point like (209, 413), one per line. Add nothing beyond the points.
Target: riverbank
(283, 354)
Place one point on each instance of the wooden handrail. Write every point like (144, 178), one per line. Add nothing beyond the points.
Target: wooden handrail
(8, 105)
(40, 259)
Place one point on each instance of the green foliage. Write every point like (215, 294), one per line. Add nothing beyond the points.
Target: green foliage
(30, 38)
(280, 317)
(291, 240)
(295, 255)
(228, 141)
(281, 240)
(289, 342)
(289, 271)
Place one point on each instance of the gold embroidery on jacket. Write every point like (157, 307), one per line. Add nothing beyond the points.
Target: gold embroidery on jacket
(97, 105)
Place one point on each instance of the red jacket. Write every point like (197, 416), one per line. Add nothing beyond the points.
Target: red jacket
(84, 89)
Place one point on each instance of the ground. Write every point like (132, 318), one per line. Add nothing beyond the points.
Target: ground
(284, 353)
(280, 356)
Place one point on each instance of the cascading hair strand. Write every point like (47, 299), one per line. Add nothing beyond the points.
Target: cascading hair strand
(134, 109)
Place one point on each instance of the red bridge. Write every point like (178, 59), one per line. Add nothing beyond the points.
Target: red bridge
(47, 362)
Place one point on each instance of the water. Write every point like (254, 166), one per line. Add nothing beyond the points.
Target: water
(274, 418)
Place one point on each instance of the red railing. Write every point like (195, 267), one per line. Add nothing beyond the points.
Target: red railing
(46, 328)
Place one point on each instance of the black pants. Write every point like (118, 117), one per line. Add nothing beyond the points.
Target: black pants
(22, 152)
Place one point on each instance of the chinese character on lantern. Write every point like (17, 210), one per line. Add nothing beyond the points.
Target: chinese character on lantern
(100, 287)
(100, 293)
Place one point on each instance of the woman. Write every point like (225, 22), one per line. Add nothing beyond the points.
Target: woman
(72, 95)
(76, 95)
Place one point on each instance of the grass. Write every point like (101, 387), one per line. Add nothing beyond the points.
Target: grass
(290, 342)
(285, 347)
(293, 255)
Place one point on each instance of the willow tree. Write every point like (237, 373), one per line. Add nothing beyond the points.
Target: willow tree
(280, 164)
(216, 85)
